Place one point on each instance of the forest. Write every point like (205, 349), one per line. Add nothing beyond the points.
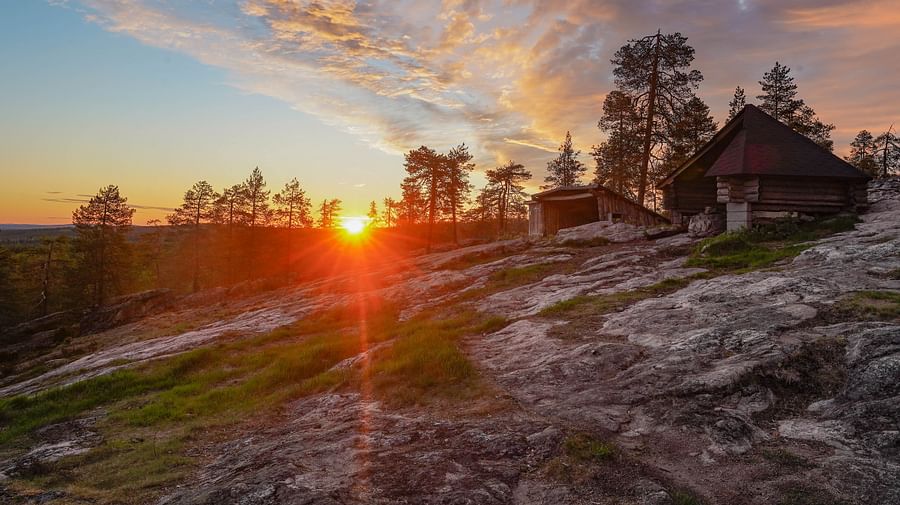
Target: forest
(651, 122)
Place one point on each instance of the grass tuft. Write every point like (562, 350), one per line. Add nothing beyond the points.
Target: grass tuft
(583, 447)
(763, 246)
(880, 305)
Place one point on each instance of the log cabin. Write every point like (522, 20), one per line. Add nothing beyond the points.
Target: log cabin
(568, 206)
(757, 169)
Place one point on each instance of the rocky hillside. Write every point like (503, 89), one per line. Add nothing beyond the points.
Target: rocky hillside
(753, 369)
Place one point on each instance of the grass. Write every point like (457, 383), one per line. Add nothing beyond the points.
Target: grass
(512, 277)
(761, 247)
(605, 304)
(156, 411)
(518, 276)
(582, 447)
(580, 458)
(426, 360)
(879, 305)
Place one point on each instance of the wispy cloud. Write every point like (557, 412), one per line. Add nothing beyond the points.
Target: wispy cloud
(82, 199)
(509, 77)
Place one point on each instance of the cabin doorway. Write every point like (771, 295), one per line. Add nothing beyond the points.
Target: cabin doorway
(569, 212)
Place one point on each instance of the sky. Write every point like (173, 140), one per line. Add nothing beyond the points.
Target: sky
(154, 95)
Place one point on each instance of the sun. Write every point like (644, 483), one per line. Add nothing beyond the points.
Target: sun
(354, 225)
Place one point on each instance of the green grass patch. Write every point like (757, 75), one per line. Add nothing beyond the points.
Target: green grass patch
(21, 415)
(763, 246)
(583, 447)
(156, 411)
(426, 360)
(518, 276)
(879, 305)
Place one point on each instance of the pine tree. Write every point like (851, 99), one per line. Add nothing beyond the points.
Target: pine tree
(486, 204)
(230, 209)
(9, 296)
(565, 169)
(412, 205)
(101, 226)
(328, 213)
(292, 210)
(456, 187)
(505, 187)
(257, 214)
(257, 196)
(618, 158)
(737, 103)
(197, 207)
(292, 207)
(389, 214)
(654, 70)
(887, 155)
(693, 127)
(863, 150)
(779, 94)
(427, 172)
(373, 213)
(779, 100)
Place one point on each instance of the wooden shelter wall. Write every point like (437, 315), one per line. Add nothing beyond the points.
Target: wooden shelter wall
(628, 211)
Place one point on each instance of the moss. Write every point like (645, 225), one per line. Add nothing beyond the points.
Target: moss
(680, 497)
(785, 458)
(763, 246)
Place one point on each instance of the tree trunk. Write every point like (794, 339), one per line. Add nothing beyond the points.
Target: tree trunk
(432, 203)
(648, 130)
(45, 285)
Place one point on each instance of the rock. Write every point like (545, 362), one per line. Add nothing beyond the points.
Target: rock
(707, 224)
(126, 309)
(49, 324)
(651, 493)
(599, 231)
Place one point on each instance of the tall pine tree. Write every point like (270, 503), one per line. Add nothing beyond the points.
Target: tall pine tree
(101, 226)
(618, 158)
(456, 186)
(196, 208)
(887, 154)
(565, 169)
(863, 150)
(426, 177)
(655, 71)
(779, 100)
(690, 131)
(737, 103)
(505, 185)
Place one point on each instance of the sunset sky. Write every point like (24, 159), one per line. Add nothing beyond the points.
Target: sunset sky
(154, 95)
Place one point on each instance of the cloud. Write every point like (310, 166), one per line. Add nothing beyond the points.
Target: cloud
(82, 199)
(510, 77)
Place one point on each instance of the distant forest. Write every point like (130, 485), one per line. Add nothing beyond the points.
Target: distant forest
(652, 122)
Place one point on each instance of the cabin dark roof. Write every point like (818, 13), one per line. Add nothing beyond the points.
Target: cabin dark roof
(755, 143)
